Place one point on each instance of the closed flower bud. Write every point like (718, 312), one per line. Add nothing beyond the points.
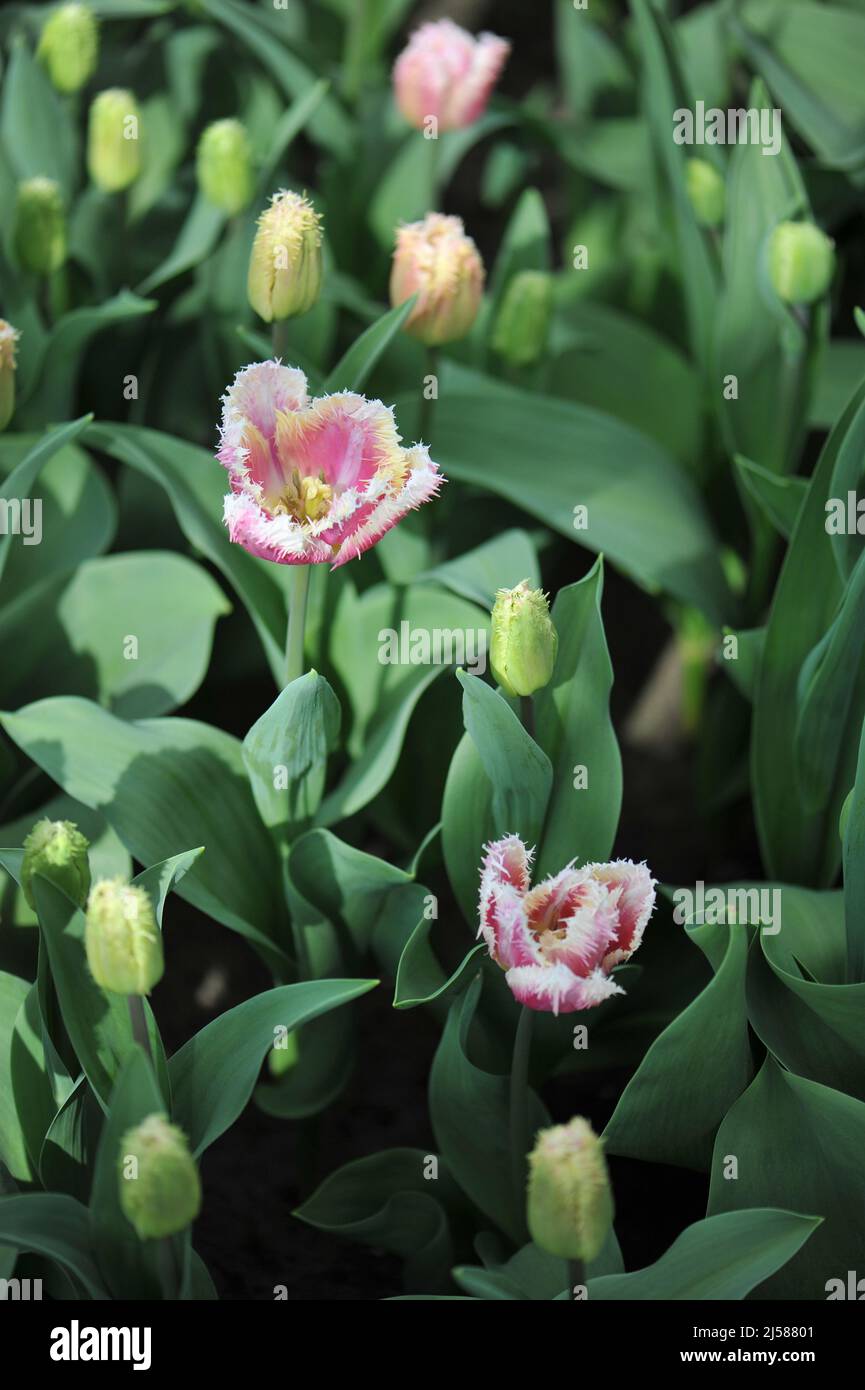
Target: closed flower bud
(122, 939)
(524, 641)
(40, 226)
(224, 166)
(57, 850)
(160, 1190)
(446, 75)
(285, 265)
(706, 191)
(801, 262)
(8, 345)
(69, 47)
(570, 1204)
(113, 153)
(523, 321)
(435, 260)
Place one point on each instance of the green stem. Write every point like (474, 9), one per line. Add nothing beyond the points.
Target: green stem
(576, 1275)
(279, 338)
(299, 592)
(431, 368)
(519, 1106)
(435, 174)
(527, 713)
(138, 1019)
(355, 35)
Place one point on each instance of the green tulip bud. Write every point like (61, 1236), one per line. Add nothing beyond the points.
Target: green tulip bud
(706, 191)
(122, 939)
(524, 642)
(57, 850)
(113, 154)
(8, 344)
(160, 1190)
(570, 1203)
(801, 262)
(285, 264)
(69, 46)
(40, 226)
(523, 321)
(224, 166)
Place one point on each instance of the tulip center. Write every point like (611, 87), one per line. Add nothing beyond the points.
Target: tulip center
(304, 498)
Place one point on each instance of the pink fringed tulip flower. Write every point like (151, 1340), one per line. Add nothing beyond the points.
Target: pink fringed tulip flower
(435, 260)
(446, 73)
(559, 941)
(314, 480)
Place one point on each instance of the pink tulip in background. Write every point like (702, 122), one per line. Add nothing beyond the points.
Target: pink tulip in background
(447, 73)
(314, 480)
(559, 941)
(435, 260)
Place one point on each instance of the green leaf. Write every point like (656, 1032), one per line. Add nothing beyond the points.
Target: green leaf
(780, 499)
(352, 370)
(13, 1142)
(723, 1257)
(420, 979)
(54, 1225)
(289, 744)
(346, 885)
(213, 1075)
(499, 563)
(197, 238)
(854, 872)
(519, 771)
(20, 481)
(36, 133)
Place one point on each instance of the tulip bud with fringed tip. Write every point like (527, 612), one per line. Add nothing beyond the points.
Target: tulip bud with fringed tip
(8, 347)
(122, 939)
(113, 144)
(56, 850)
(435, 260)
(570, 1203)
(523, 321)
(801, 262)
(160, 1190)
(224, 166)
(285, 266)
(524, 640)
(69, 47)
(706, 192)
(40, 226)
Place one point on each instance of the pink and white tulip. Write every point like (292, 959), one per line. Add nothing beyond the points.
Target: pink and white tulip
(314, 481)
(559, 941)
(446, 73)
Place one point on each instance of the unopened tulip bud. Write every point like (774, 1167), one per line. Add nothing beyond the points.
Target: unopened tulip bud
(523, 321)
(160, 1190)
(570, 1204)
(69, 47)
(224, 166)
(706, 191)
(435, 260)
(8, 344)
(122, 939)
(285, 265)
(524, 641)
(801, 262)
(40, 226)
(113, 152)
(57, 850)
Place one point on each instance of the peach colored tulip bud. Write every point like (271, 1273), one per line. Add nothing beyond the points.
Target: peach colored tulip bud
(437, 261)
(801, 262)
(446, 76)
(8, 344)
(570, 1203)
(524, 640)
(122, 939)
(523, 321)
(224, 166)
(285, 265)
(160, 1190)
(69, 46)
(57, 850)
(706, 192)
(113, 147)
(40, 226)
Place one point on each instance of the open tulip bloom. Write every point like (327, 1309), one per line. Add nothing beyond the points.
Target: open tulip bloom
(559, 941)
(317, 480)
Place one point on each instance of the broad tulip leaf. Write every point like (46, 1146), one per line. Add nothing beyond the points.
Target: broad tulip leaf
(286, 750)
(20, 481)
(519, 772)
(13, 1141)
(352, 370)
(499, 563)
(54, 1225)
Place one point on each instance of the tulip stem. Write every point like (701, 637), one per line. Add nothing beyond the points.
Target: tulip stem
(576, 1276)
(299, 591)
(527, 710)
(519, 1099)
(279, 338)
(431, 371)
(138, 1019)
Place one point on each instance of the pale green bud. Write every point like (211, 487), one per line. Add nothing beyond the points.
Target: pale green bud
(524, 641)
(160, 1190)
(113, 145)
(8, 344)
(69, 46)
(523, 321)
(40, 226)
(801, 262)
(122, 939)
(570, 1203)
(706, 191)
(285, 264)
(57, 850)
(224, 166)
